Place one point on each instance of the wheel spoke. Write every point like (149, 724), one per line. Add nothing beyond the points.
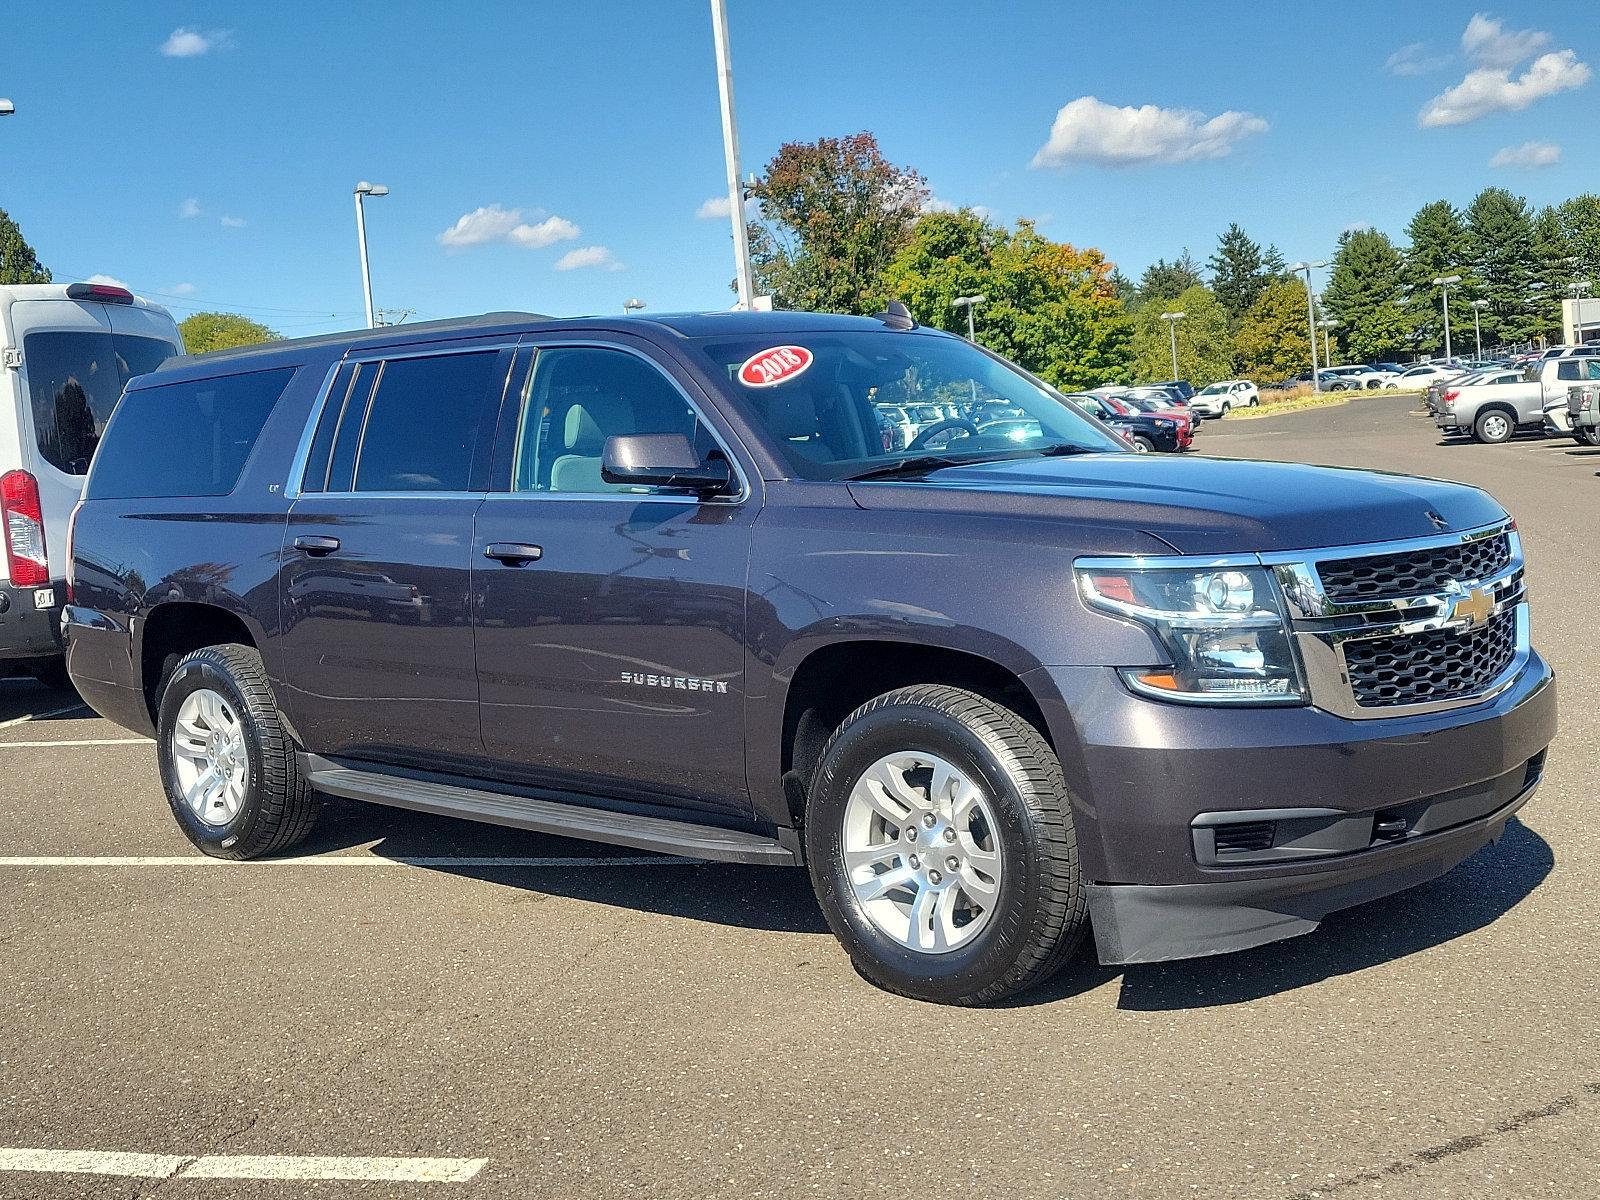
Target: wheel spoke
(923, 924)
(981, 888)
(880, 885)
(869, 856)
(944, 919)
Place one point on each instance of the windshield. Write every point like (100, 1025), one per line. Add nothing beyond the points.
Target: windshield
(826, 411)
(1215, 389)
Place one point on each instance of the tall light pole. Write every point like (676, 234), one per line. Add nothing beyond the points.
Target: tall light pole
(1311, 315)
(1477, 328)
(730, 152)
(1172, 319)
(1326, 324)
(632, 305)
(1578, 287)
(1444, 282)
(363, 190)
(969, 303)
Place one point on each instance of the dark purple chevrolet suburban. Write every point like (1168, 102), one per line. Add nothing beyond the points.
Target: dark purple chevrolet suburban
(664, 583)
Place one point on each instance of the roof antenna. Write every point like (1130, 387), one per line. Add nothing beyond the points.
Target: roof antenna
(896, 316)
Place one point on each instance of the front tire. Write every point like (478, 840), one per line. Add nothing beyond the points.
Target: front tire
(1143, 444)
(227, 764)
(1000, 902)
(1493, 427)
(1587, 435)
(1226, 408)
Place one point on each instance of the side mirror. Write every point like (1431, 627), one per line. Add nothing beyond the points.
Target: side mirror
(663, 460)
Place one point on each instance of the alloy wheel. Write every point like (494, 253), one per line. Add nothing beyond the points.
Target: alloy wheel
(922, 851)
(210, 757)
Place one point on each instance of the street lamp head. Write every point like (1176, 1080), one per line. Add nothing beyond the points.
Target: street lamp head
(1172, 316)
(632, 304)
(371, 189)
(1446, 280)
(7, 108)
(1579, 285)
(967, 301)
(1480, 303)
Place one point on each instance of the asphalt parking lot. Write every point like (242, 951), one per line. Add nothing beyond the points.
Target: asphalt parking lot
(601, 1026)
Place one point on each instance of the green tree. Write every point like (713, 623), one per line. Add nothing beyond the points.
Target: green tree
(222, 331)
(1580, 223)
(1205, 349)
(1365, 294)
(1504, 263)
(1440, 245)
(18, 262)
(1275, 265)
(834, 212)
(1555, 254)
(1273, 341)
(1238, 273)
(1163, 280)
(1049, 306)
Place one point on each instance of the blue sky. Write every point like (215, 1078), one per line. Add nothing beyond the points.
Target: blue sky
(205, 152)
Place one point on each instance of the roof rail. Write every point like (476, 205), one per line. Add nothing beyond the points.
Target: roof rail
(448, 325)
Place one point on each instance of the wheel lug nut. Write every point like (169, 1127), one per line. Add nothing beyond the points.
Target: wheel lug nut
(915, 862)
(928, 820)
(953, 863)
(935, 877)
(911, 835)
(949, 835)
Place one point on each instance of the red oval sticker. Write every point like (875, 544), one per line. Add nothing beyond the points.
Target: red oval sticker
(777, 365)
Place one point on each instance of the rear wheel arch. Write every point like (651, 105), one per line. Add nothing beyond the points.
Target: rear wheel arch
(177, 628)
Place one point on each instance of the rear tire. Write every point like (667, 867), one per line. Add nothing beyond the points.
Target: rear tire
(1493, 427)
(1587, 435)
(1010, 905)
(226, 761)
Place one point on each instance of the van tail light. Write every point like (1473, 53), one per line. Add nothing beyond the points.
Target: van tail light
(24, 519)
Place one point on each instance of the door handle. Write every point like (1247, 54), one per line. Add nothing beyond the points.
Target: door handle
(316, 545)
(513, 553)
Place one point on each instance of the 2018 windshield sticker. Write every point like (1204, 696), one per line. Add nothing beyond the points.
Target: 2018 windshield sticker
(777, 365)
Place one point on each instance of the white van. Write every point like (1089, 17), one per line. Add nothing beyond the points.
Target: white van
(66, 350)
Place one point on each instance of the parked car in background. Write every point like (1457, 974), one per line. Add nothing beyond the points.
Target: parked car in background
(1165, 393)
(1182, 387)
(1143, 431)
(1161, 405)
(1420, 376)
(1218, 399)
(1493, 412)
(66, 350)
(1582, 416)
(1348, 378)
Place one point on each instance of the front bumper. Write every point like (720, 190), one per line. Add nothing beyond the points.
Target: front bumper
(28, 631)
(1141, 772)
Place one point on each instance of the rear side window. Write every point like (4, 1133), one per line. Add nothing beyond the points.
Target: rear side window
(186, 439)
(423, 423)
(74, 380)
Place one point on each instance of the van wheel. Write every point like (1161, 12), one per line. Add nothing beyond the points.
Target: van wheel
(941, 845)
(1493, 427)
(226, 762)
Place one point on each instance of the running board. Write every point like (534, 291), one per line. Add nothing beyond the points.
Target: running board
(547, 816)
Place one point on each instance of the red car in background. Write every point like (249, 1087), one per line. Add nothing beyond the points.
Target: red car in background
(1133, 404)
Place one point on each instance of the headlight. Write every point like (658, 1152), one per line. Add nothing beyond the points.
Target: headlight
(1224, 629)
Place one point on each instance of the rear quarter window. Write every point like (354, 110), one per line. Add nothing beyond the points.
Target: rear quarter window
(185, 439)
(75, 377)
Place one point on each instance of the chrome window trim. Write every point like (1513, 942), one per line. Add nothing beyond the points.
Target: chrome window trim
(557, 342)
(1318, 628)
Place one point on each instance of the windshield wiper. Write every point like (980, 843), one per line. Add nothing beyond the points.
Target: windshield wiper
(912, 465)
(1063, 449)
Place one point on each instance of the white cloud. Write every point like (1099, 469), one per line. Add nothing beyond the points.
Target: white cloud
(717, 209)
(191, 43)
(189, 208)
(1090, 130)
(1489, 90)
(1529, 155)
(233, 222)
(1487, 41)
(588, 256)
(181, 289)
(495, 223)
(1414, 60)
(109, 280)
(935, 204)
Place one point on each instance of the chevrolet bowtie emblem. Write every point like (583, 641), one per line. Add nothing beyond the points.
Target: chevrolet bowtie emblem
(1473, 608)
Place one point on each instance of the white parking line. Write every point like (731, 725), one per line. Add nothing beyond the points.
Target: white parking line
(340, 860)
(54, 712)
(240, 1166)
(133, 741)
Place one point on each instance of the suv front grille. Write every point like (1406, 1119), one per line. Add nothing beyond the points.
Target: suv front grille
(1420, 668)
(1414, 572)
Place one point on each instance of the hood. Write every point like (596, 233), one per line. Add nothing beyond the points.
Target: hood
(1200, 505)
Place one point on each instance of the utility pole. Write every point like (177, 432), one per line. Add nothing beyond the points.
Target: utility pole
(968, 303)
(1311, 316)
(730, 152)
(1477, 328)
(363, 190)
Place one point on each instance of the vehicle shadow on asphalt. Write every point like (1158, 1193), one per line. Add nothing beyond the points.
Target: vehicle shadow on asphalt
(1475, 894)
(775, 899)
(24, 696)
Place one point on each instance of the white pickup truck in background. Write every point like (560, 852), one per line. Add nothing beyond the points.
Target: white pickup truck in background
(1493, 412)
